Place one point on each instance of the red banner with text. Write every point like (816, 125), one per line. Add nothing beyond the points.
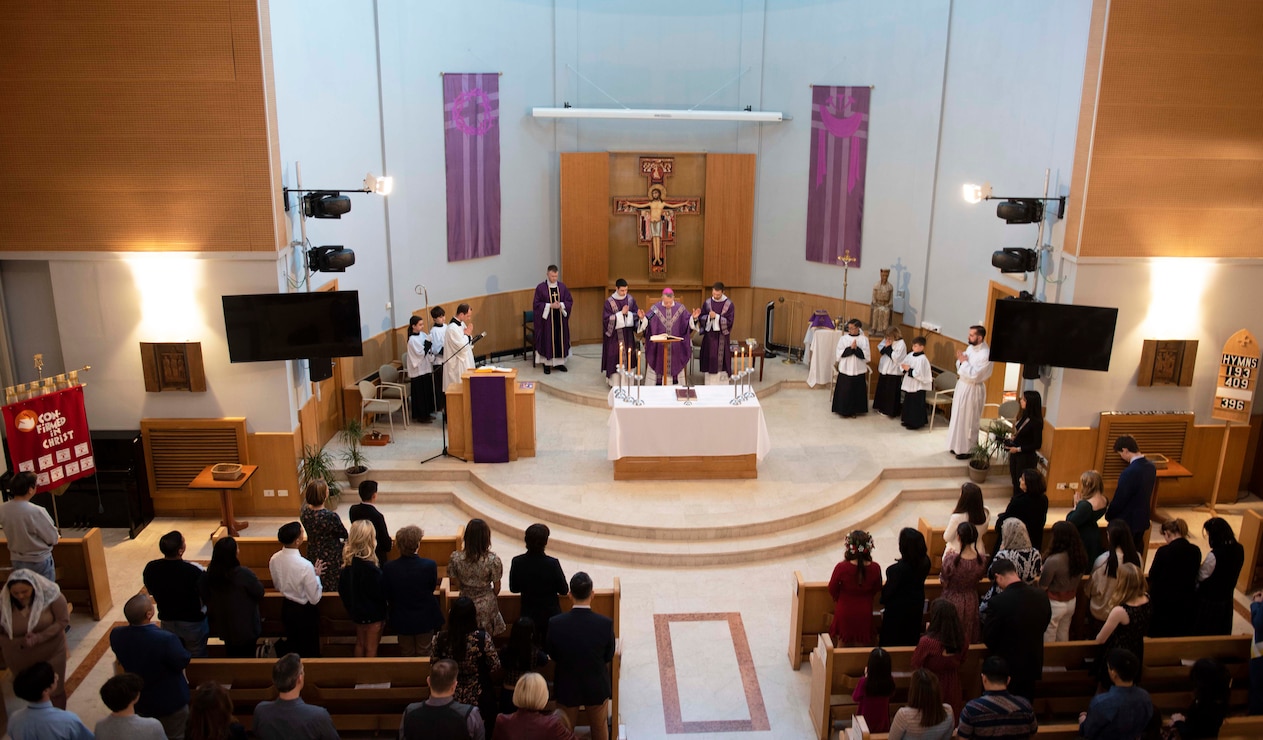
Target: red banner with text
(48, 436)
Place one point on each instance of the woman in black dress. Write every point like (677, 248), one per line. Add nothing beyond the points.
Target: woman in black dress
(232, 594)
(1028, 437)
(1217, 578)
(1173, 582)
(325, 534)
(1128, 620)
(903, 595)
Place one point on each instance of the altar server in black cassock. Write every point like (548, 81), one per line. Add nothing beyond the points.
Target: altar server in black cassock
(918, 378)
(889, 374)
(850, 398)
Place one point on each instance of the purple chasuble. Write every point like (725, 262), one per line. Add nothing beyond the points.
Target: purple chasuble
(716, 357)
(673, 321)
(552, 335)
(613, 335)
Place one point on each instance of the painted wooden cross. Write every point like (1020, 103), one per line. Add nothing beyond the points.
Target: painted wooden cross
(657, 212)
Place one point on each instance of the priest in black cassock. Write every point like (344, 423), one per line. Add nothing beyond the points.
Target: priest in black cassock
(715, 324)
(850, 397)
(552, 306)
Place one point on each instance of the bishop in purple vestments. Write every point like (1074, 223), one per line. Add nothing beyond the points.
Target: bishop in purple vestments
(669, 317)
(552, 306)
(715, 323)
(619, 322)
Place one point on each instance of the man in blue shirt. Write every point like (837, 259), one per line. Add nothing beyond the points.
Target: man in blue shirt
(1123, 711)
(158, 657)
(41, 720)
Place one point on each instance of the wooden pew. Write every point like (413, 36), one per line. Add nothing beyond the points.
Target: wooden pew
(1064, 731)
(81, 571)
(606, 601)
(1165, 674)
(934, 540)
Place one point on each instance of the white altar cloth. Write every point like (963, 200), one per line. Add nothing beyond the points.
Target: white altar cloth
(822, 357)
(665, 427)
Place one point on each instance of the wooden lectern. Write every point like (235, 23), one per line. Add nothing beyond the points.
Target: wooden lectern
(520, 410)
(666, 377)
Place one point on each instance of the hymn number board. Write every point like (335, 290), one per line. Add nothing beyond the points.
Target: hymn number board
(1238, 375)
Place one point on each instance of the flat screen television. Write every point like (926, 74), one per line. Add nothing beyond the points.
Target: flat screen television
(1053, 334)
(293, 326)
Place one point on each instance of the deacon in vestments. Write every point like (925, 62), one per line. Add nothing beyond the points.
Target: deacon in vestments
(668, 317)
(918, 378)
(850, 397)
(458, 352)
(973, 367)
(889, 375)
(552, 322)
(715, 324)
(621, 315)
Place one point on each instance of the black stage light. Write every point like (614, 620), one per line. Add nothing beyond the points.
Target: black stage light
(335, 258)
(326, 204)
(1021, 211)
(1015, 259)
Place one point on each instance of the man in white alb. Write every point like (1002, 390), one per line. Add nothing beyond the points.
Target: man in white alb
(458, 353)
(973, 366)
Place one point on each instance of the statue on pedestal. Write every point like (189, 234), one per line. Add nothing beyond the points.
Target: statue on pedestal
(883, 298)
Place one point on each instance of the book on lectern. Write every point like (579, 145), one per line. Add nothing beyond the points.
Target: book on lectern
(665, 338)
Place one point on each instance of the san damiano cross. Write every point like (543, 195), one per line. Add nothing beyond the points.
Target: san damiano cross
(657, 212)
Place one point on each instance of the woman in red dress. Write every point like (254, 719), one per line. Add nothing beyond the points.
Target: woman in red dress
(855, 582)
(941, 651)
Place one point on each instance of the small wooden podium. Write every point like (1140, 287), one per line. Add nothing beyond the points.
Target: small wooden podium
(665, 376)
(520, 408)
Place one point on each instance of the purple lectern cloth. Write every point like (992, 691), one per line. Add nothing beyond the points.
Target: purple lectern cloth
(489, 418)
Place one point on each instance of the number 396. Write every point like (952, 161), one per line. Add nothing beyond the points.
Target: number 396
(1232, 404)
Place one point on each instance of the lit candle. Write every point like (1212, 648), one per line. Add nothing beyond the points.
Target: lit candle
(640, 362)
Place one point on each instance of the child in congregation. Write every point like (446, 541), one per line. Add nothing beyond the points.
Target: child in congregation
(918, 378)
(873, 691)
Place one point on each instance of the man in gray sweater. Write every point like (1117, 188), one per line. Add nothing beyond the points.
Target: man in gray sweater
(289, 717)
(29, 529)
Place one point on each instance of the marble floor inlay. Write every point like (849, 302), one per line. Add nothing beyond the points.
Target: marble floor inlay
(700, 684)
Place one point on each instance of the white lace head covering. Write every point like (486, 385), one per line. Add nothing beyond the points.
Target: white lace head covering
(44, 592)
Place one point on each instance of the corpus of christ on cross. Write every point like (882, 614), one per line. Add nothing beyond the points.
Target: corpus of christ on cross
(657, 212)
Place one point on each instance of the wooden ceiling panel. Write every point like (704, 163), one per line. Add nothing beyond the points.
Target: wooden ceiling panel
(1171, 232)
(1226, 27)
(1196, 80)
(1169, 131)
(1158, 182)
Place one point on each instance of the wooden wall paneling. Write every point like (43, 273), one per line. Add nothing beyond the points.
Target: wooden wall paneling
(995, 384)
(585, 219)
(1070, 452)
(273, 452)
(168, 470)
(729, 207)
(308, 425)
(1087, 121)
(1202, 459)
(1251, 475)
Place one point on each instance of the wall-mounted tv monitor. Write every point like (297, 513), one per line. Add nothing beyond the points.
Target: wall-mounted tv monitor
(293, 326)
(1053, 334)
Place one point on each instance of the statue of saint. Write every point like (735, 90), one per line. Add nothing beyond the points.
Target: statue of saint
(883, 297)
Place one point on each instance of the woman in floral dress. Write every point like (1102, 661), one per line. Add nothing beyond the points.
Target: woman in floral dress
(960, 575)
(478, 570)
(471, 647)
(325, 534)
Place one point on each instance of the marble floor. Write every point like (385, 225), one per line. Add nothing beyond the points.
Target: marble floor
(703, 644)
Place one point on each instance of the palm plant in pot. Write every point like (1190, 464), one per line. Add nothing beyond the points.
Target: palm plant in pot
(996, 435)
(356, 462)
(317, 464)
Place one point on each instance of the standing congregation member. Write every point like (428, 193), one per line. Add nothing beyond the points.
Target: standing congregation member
(232, 594)
(119, 694)
(1131, 497)
(409, 582)
(475, 655)
(581, 643)
(172, 582)
(540, 579)
(365, 509)
(852, 586)
(1013, 627)
(360, 588)
(1089, 506)
(903, 595)
(850, 397)
(1128, 620)
(298, 580)
(210, 715)
(37, 684)
(1028, 437)
(441, 716)
(458, 340)
(890, 373)
(478, 570)
(673, 319)
(521, 656)
(918, 378)
(1122, 549)
(552, 304)
(997, 713)
(1217, 578)
(325, 533)
(1029, 505)
(1212, 692)
(1065, 564)
(159, 659)
(1125, 710)
(1019, 551)
(417, 363)
(619, 317)
(28, 529)
(288, 717)
(969, 508)
(33, 621)
(531, 721)
(1173, 582)
(973, 367)
(960, 575)
(873, 691)
(715, 323)
(942, 650)
(438, 334)
(926, 717)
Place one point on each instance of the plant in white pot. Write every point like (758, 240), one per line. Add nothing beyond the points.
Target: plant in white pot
(356, 462)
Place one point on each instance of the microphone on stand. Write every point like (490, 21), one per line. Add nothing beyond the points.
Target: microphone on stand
(476, 339)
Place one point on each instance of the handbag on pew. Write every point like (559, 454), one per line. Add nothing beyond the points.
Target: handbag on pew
(266, 649)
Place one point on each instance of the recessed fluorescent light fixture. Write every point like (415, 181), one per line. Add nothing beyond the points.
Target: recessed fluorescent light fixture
(661, 114)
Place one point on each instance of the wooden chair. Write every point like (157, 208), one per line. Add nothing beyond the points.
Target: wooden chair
(372, 403)
(941, 394)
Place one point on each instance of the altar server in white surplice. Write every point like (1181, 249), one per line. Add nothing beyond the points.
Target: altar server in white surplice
(973, 366)
(850, 397)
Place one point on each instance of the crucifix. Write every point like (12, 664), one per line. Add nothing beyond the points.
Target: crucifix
(846, 259)
(656, 212)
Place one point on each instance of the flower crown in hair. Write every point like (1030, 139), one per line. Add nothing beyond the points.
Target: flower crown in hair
(859, 543)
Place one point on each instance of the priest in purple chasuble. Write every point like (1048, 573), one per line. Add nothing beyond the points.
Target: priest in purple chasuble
(668, 317)
(552, 307)
(620, 317)
(715, 324)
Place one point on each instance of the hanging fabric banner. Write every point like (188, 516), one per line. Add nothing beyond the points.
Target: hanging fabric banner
(471, 123)
(839, 150)
(48, 436)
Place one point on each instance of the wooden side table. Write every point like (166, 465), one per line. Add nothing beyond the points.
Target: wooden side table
(205, 481)
(757, 351)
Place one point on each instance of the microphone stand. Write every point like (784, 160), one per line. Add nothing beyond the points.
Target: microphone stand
(447, 410)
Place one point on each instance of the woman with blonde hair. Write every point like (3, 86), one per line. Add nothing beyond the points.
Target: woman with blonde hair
(1089, 506)
(891, 352)
(1128, 620)
(360, 587)
(532, 720)
(325, 533)
(478, 570)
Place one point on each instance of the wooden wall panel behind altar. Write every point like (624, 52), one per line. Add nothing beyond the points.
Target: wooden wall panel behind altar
(730, 222)
(585, 235)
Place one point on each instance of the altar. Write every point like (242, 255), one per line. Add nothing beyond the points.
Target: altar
(665, 440)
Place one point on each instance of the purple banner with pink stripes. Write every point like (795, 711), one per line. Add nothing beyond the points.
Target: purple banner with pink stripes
(471, 127)
(839, 150)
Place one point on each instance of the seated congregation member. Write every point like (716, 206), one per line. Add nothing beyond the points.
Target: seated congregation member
(1013, 627)
(1090, 505)
(850, 397)
(1211, 684)
(325, 533)
(1028, 437)
(33, 621)
(1173, 581)
(855, 581)
(1018, 550)
(1122, 549)
(892, 352)
(918, 378)
(288, 717)
(873, 691)
(478, 570)
(581, 644)
(1065, 565)
(210, 715)
(926, 717)
(441, 715)
(997, 713)
(941, 651)
(299, 582)
(159, 659)
(969, 508)
(172, 582)
(475, 654)
(360, 588)
(960, 575)
(1029, 505)
(1125, 710)
(408, 583)
(531, 720)
(232, 594)
(521, 656)
(36, 684)
(365, 509)
(1217, 578)
(1128, 620)
(540, 579)
(903, 595)
(120, 694)
(29, 530)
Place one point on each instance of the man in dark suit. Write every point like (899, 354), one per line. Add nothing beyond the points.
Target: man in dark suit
(158, 657)
(1135, 487)
(1013, 627)
(540, 580)
(581, 644)
(366, 510)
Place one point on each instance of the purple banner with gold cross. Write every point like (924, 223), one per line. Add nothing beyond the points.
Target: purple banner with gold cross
(471, 127)
(839, 150)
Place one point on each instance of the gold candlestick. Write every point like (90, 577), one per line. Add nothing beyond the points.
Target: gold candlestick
(846, 259)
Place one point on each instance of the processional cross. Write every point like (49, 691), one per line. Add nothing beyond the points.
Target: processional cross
(657, 213)
(846, 261)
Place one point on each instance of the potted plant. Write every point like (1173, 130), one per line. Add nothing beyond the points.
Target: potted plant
(980, 454)
(352, 434)
(317, 464)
